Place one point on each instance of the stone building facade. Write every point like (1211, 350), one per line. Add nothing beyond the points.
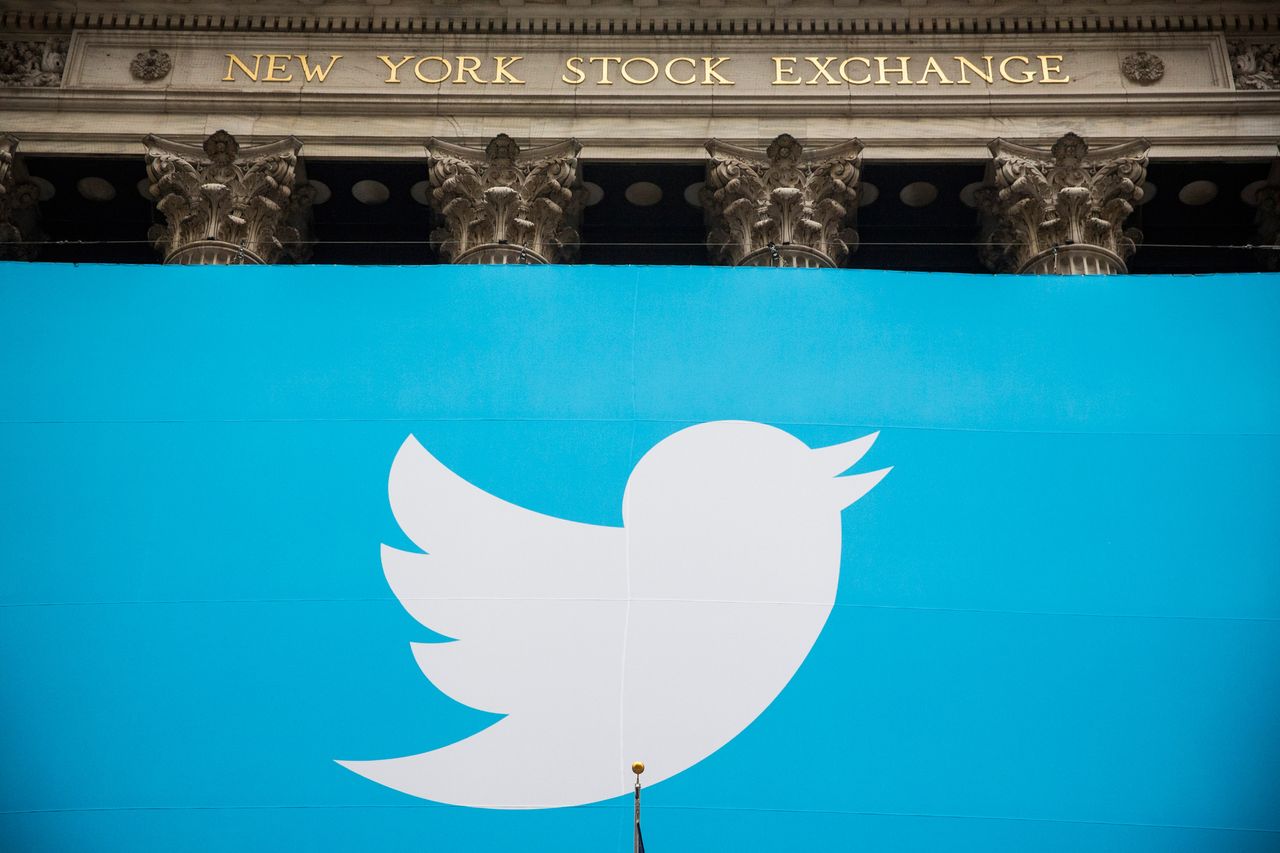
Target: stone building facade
(1014, 137)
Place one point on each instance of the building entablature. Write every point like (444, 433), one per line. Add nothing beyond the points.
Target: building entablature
(638, 81)
(751, 17)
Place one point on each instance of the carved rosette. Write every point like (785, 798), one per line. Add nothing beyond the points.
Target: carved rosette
(151, 65)
(1062, 211)
(783, 206)
(1142, 68)
(19, 212)
(502, 205)
(32, 63)
(224, 204)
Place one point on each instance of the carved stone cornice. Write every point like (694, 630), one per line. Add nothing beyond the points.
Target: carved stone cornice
(1062, 210)
(19, 197)
(224, 204)
(502, 205)
(783, 206)
(623, 17)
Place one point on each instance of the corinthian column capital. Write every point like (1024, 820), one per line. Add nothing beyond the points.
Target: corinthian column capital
(224, 204)
(1268, 219)
(783, 206)
(502, 205)
(19, 197)
(1062, 210)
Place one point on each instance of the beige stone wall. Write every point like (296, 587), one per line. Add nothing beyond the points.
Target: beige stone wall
(1090, 65)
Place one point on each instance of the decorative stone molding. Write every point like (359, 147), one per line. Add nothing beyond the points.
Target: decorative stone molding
(19, 198)
(711, 17)
(783, 207)
(502, 205)
(1062, 211)
(1142, 68)
(151, 64)
(296, 231)
(224, 204)
(1255, 65)
(32, 63)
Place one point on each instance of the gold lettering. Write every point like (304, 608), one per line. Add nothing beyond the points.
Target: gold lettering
(901, 70)
(932, 67)
(503, 63)
(779, 69)
(604, 67)
(844, 66)
(233, 61)
(1047, 69)
(574, 69)
(821, 68)
(693, 71)
(709, 64)
(394, 67)
(468, 65)
(317, 72)
(448, 69)
(989, 75)
(653, 66)
(275, 65)
(1029, 75)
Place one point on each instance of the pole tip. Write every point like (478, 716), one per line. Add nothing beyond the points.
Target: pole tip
(637, 767)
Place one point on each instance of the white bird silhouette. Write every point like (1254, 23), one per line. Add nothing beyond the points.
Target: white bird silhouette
(661, 639)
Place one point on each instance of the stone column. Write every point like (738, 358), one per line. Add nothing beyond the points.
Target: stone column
(782, 207)
(19, 213)
(224, 204)
(501, 205)
(1062, 210)
(1268, 220)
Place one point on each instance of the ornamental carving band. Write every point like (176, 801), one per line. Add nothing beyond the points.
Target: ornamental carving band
(1255, 65)
(32, 63)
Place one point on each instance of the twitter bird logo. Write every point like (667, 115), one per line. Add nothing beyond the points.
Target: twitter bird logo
(662, 639)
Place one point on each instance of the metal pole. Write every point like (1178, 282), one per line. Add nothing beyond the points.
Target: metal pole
(637, 845)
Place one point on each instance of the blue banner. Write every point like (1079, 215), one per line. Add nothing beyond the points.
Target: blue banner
(331, 558)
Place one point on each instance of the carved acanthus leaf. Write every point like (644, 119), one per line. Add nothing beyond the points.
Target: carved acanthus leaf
(1041, 201)
(220, 194)
(522, 205)
(782, 206)
(1255, 65)
(32, 63)
(19, 197)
